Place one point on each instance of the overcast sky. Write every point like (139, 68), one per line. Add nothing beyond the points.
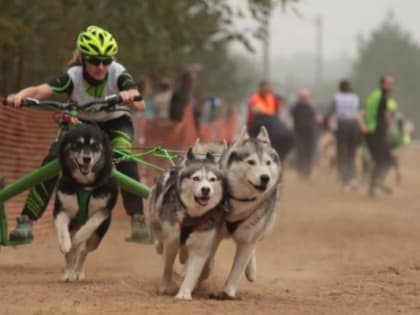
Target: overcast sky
(343, 21)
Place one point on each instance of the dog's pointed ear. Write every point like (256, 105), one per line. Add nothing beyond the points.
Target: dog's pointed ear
(225, 144)
(243, 135)
(190, 155)
(263, 135)
(210, 157)
(196, 146)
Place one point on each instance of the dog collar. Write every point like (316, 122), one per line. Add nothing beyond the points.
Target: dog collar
(242, 199)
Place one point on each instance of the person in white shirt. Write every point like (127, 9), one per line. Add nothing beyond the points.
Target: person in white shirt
(345, 121)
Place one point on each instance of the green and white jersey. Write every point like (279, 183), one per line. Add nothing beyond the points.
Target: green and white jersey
(80, 90)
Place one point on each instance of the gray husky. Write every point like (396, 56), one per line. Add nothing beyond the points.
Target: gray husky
(186, 212)
(252, 170)
(86, 195)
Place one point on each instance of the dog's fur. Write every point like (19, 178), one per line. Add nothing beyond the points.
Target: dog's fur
(252, 170)
(200, 149)
(186, 212)
(85, 156)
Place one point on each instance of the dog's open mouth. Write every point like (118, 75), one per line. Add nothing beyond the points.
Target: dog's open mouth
(84, 168)
(202, 201)
(261, 187)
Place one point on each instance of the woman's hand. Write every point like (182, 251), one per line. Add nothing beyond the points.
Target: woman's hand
(127, 98)
(39, 92)
(14, 99)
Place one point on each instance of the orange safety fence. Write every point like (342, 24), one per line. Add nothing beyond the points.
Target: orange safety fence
(26, 135)
(180, 135)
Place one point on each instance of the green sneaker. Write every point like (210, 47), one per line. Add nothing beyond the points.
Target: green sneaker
(139, 230)
(23, 230)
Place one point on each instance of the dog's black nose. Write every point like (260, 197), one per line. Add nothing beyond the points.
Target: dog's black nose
(205, 191)
(86, 159)
(264, 178)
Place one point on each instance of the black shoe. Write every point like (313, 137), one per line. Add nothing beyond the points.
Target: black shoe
(23, 230)
(139, 230)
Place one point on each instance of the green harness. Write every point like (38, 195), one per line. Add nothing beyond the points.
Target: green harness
(83, 198)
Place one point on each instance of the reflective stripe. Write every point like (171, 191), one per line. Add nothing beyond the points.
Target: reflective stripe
(60, 89)
(122, 141)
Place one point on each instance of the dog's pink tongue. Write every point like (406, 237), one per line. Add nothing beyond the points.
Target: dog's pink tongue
(203, 201)
(84, 168)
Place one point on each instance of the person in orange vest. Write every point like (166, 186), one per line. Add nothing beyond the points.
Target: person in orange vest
(263, 110)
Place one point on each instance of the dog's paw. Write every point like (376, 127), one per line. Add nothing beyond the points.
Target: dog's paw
(79, 275)
(168, 289)
(184, 295)
(69, 276)
(65, 245)
(251, 273)
(223, 296)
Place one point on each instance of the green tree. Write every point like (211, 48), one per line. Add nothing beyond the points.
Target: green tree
(157, 37)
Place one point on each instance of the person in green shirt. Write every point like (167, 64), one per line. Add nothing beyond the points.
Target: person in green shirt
(378, 114)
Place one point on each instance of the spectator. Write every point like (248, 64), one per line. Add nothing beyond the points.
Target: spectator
(161, 100)
(210, 108)
(145, 88)
(378, 114)
(263, 110)
(305, 120)
(345, 121)
(183, 96)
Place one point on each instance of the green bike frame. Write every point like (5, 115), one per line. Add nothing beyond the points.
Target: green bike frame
(44, 173)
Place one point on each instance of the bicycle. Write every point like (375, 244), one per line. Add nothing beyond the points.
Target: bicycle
(67, 118)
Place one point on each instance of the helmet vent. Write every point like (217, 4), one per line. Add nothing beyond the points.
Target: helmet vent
(94, 48)
(101, 38)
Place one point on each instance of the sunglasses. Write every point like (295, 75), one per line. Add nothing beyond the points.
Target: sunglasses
(96, 61)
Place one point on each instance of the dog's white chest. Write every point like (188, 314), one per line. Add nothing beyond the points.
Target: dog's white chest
(71, 204)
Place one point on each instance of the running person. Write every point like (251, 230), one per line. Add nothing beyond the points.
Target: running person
(378, 114)
(345, 121)
(92, 74)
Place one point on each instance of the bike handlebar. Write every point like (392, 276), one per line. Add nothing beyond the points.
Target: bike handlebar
(108, 103)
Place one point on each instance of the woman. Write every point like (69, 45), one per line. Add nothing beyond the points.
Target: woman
(345, 120)
(92, 74)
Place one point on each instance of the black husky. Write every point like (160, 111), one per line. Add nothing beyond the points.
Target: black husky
(86, 195)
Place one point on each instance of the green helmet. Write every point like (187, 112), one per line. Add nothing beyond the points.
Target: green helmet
(96, 41)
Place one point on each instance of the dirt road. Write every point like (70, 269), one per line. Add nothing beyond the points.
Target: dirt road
(330, 253)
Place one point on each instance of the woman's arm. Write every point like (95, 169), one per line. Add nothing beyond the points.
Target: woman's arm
(41, 91)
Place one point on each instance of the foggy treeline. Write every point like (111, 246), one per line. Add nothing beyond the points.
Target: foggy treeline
(157, 38)
(387, 50)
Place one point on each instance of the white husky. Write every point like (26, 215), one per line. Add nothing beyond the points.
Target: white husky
(252, 171)
(186, 212)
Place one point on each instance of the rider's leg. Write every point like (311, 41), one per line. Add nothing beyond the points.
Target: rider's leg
(121, 133)
(36, 202)
(133, 204)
